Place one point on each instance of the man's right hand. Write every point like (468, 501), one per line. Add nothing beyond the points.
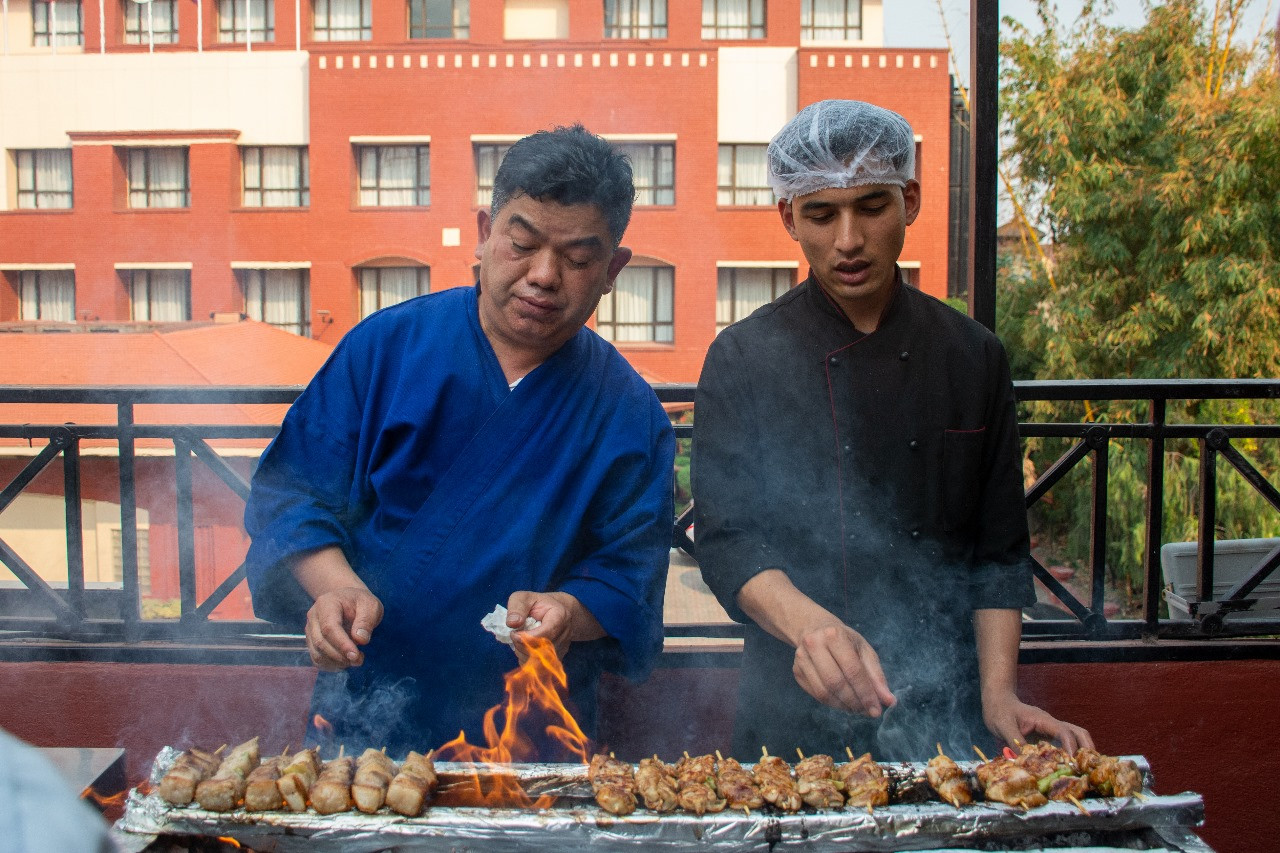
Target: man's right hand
(837, 666)
(834, 663)
(338, 623)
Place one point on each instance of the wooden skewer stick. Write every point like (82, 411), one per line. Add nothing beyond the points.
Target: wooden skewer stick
(1141, 796)
(764, 752)
(686, 754)
(219, 749)
(746, 811)
(719, 757)
(940, 752)
(1079, 805)
(848, 752)
(799, 753)
(980, 755)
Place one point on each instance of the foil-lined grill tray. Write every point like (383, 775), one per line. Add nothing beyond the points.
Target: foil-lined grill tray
(576, 821)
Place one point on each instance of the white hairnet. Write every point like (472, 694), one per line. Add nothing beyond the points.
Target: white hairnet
(841, 144)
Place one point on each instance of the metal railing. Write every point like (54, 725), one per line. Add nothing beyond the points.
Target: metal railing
(109, 623)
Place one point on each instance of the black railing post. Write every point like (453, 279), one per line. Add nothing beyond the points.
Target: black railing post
(1099, 441)
(131, 598)
(1155, 518)
(186, 527)
(74, 521)
(984, 155)
(1208, 517)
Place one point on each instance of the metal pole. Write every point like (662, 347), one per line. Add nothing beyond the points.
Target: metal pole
(984, 58)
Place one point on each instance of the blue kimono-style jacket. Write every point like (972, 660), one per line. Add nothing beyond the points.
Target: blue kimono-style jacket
(447, 491)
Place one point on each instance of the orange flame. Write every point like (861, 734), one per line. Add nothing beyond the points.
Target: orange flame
(322, 725)
(111, 806)
(227, 840)
(534, 691)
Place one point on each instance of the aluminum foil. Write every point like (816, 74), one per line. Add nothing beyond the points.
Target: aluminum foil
(575, 821)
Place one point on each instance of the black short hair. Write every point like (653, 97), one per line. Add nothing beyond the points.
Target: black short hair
(568, 165)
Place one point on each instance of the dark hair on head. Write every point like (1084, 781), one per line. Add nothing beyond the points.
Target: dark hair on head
(568, 165)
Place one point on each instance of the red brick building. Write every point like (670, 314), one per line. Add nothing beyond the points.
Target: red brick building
(306, 162)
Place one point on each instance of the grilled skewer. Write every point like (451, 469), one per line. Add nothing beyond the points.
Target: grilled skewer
(261, 793)
(297, 778)
(657, 785)
(332, 791)
(1108, 775)
(1003, 781)
(696, 791)
(178, 785)
(736, 785)
(948, 780)
(224, 790)
(865, 785)
(773, 777)
(613, 783)
(816, 782)
(374, 772)
(409, 788)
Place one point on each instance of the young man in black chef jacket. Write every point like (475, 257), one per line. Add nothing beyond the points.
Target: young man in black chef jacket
(857, 479)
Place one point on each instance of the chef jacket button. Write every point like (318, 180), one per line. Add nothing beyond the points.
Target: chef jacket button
(913, 444)
(904, 356)
(915, 534)
(848, 448)
(834, 361)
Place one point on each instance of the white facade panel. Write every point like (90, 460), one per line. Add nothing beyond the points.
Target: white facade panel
(263, 95)
(757, 92)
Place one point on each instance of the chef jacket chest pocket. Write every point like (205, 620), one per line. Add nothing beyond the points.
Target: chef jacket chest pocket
(961, 473)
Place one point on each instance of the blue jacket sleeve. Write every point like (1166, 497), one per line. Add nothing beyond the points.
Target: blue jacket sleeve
(622, 580)
(300, 500)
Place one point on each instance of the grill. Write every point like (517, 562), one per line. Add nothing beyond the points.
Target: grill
(1148, 823)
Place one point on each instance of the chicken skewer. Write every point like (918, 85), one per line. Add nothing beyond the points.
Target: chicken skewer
(297, 778)
(261, 793)
(1108, 775)
(332, 791)
(373, 775)
(736, 785)
(224, 790)
(696, 785)
(777, 787)
(865, 784)
(1003, 781)
(613, 783)
(409, 788)
(816, 782)
(657, 785)
(948, 780)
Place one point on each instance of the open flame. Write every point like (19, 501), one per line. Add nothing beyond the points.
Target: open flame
(110, 805)
(534, 698)
(323, 726)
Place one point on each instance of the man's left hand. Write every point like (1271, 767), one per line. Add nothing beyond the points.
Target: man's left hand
(1014, 722)
(564, 620)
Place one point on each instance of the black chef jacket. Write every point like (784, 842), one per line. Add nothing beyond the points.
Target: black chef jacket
(882, 473)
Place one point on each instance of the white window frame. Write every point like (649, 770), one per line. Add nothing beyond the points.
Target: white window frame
(45, 26)
(34, 306)
(460, 21)
(255, 175)
(30, 192)
(659, 326)
(734, 193)
(256, 280)
(635, 19)
(827, 33)
(141, 19)
(657, 188)
(717, 27)
(141, 163)
(142, 284)
(259, 28)
(371, 293)
(324, 29)
(728, 308)
(371, 187)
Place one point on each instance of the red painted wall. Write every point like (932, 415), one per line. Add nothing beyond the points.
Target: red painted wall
(1207, 727)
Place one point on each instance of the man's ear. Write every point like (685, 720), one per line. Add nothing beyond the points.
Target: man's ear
(911, 198)
(484, 226)
(621, 257)
(788, 215)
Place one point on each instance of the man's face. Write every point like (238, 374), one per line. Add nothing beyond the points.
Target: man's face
(543, 268)
(852, 238)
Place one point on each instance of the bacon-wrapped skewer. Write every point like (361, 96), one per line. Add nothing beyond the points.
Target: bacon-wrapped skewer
(657, 785)
(613, 783)
(409, 788)
(865, 785)
(224, 790)
(297, 778)
(948, 780)
(1108, 775)
(816, 782)
(374, 772)
(332, 791)
(696, 790)
(261, 793)
(736, 785)
(773, 777)
(178, 785)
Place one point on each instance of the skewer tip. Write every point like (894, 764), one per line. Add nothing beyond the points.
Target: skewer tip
(940, 752)
(764, 751)
(799, 753)
(980, 755)
(848, 752)
(1079, 805)
(719, 757)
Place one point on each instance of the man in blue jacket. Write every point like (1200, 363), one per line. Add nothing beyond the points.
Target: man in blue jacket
(473, 447)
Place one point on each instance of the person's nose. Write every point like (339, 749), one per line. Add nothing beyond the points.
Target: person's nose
(849, 236)
(544, 270)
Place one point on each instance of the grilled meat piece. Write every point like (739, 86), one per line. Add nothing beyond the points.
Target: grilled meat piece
(1004, 781)
(696, 785)
(816, 783)
(332, 791)
(374, 772)
(409, 788)
(260, 791)
(1108, 775)
(297, 778)
(865, 785)
(949, 780)
(737, 786)
(773, 777)
(657, 784)
(178, 785)
(223, 791)
(613, 783)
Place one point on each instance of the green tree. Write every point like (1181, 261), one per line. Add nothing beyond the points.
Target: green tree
(1154, 157)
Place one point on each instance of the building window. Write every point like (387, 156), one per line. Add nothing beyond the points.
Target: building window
(47, 295)
(635, 19)
(653, 169)
(44, 178)
(275, 177)
(162, 296)
(57, 24)
(343, 20)
(742, 175)
(158, 177)
(394, 175)
(280, 298)
(535, 19)
(741, 290)
(488, 158)
(382, 287)
(831, 20)
(439, 19)
(640, 306)
(910, 275)
(241, 21)
(733, 19)
(152, 22)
